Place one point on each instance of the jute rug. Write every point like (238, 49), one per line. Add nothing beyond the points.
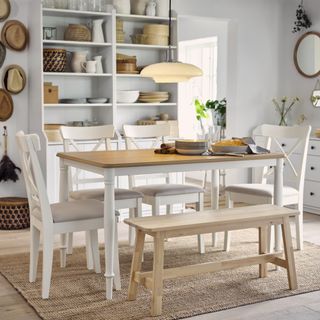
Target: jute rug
(77, 293)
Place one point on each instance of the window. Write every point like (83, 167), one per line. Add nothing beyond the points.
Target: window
(204, 54)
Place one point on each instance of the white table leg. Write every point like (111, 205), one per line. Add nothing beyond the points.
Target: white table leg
(215, 181)
(109, 227)
(278, 198)
(63, 196)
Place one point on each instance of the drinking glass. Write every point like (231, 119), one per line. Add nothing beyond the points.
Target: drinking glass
(73, 4)
(61, 4)
(48, 4)
(83, 5)
(95, 5)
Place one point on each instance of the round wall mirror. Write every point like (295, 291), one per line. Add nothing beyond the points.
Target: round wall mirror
(307, 54)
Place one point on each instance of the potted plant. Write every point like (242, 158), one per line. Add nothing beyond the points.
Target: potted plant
(218, 109)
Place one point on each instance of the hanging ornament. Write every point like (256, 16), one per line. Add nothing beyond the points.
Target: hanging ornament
(302, 20)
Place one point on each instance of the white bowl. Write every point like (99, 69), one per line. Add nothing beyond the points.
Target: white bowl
(127, 96)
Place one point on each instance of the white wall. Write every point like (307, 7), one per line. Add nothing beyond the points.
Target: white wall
(253, 59)
(19, 119)
(291, 82)
(253, 56)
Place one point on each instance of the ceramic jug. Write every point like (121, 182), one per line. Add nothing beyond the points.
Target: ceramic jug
(162, 8)
(97, 32)
(78, 57)
(139, 6)
(89, 66)
(122, 6)
(151, 8)
(99, 68)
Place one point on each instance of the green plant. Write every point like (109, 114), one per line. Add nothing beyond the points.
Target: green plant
(219, 107)
(283, 109)
(201, 113)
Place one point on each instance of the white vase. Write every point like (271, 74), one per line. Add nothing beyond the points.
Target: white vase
(122, 6)
(162, 8)
(78, 58)
(99, 68)
(139, 6)
(151, 8)
(97, 32)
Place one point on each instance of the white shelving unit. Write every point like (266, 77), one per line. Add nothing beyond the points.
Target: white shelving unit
(86, 85)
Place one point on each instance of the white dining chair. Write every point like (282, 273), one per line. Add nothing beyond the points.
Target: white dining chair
(59, 218)
(293, 143)
(166, 194)
(100, 136)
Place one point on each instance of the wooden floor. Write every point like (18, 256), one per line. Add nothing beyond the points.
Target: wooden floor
(301, 307)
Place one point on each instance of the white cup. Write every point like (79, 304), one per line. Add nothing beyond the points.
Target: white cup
(89, 66)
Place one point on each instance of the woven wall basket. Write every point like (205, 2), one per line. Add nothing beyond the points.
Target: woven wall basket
(14, 213)
(54, 60)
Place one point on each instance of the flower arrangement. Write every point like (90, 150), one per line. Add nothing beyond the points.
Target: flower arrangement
(283, 109)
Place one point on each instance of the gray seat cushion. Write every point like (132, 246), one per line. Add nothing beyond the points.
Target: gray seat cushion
(77, 210)
(98, 194)
(156, 190)
(258, 189)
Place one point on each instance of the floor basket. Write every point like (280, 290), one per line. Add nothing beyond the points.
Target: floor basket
(14, 213)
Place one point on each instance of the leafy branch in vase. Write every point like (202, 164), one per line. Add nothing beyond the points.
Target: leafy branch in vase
(283, 109)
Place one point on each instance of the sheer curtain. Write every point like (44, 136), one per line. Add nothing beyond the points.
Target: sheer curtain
(204, 54)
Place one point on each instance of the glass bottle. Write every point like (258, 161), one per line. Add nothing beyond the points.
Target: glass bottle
(73, 4)
(61, 4)
(83, 5)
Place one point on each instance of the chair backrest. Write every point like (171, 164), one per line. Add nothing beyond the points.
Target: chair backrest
(39, 205)
(158, 131)
(295, 151)
(73, 136)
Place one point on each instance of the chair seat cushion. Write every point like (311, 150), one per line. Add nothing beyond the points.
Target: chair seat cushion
(258, 189)
(77, 210)
(98, 194)
(156, 190)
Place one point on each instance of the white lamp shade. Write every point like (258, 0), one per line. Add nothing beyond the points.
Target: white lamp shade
(171, 72)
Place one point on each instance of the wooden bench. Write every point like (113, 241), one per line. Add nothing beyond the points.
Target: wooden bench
(161, 227)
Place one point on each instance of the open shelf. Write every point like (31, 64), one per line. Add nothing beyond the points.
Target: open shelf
(137, 18)
(145, 104)
(77, 105)
(73, 13)
(74, 74)
(76, 43)
(143, 46)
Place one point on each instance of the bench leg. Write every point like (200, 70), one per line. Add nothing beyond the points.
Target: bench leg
(157, 277)
(288, 251)
(263, 248)
(136, 264)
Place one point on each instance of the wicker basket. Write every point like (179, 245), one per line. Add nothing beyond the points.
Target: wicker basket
(14, 213)
(54, 60)
(77, 32)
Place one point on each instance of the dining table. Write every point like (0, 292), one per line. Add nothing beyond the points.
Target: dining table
(112, 164)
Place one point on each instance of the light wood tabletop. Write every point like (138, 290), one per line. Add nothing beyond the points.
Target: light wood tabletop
(137, 158)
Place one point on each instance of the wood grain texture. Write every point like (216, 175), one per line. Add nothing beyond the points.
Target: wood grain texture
(210, 218)
(137, 158)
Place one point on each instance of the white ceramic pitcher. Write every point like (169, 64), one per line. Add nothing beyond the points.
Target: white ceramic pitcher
(99, 68)
(78, 57)
(97, 32)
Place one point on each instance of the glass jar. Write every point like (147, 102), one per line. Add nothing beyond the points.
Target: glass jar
(83, 5)
(61, 4)
(73, 4)
(48, 4)
(95, 5)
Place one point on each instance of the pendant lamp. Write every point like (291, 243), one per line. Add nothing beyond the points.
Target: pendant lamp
(171, 71)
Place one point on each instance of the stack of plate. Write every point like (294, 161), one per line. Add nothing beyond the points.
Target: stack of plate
(191, 146)
(317, 133)
(154, 97)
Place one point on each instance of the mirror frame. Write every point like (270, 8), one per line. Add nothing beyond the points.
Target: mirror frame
(295, 58)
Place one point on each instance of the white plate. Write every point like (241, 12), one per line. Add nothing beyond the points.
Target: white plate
(97, 100)
(191, 151)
